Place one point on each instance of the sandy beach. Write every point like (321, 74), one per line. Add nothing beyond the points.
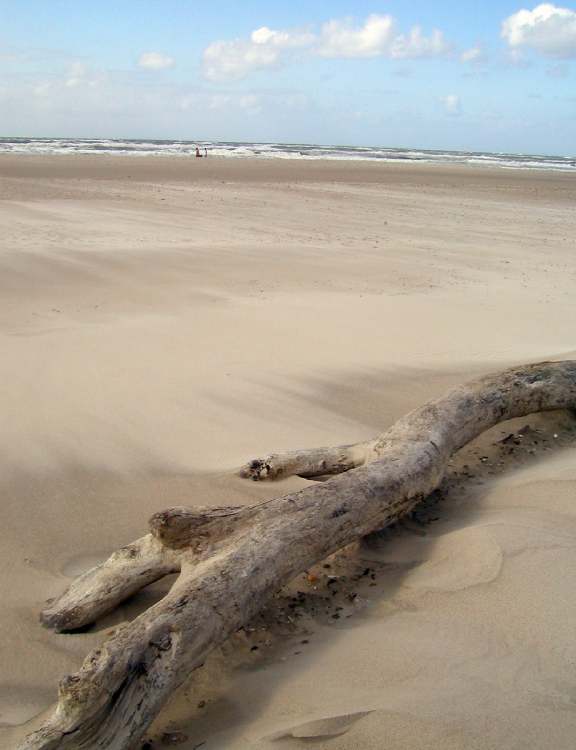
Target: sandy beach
(163, 320)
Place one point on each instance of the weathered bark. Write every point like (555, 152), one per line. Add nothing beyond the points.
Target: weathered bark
(231, 560)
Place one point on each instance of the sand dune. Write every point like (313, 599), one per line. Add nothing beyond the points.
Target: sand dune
(161, 324)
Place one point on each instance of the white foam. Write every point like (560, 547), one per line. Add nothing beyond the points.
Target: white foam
(179, 148)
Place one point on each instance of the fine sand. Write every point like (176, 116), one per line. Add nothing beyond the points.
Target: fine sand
(164, 320)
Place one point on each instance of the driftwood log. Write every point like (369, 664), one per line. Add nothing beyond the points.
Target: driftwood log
(232, 560)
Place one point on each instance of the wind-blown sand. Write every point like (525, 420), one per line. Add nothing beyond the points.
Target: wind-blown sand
(164, 320)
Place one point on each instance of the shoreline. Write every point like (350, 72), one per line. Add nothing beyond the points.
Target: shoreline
(288, 151)
(260, 169)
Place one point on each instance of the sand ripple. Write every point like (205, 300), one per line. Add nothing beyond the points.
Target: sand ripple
(459, 560)
(331, 726)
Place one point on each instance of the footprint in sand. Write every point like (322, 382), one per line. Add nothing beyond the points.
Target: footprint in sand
(331, 726)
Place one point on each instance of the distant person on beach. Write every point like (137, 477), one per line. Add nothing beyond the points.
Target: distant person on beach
(205, 152)
(198, 154)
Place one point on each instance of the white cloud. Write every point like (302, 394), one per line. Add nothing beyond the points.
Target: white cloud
(265, 48)
(416, 45)
(80, 77)
(234, 103)
(473, 55)
(234, 60)
(546, 29)
(281, 39)
(452, 105)
(339, 38)
(155, 61)
(378, 37)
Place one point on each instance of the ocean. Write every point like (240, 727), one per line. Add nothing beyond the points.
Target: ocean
(229, 149)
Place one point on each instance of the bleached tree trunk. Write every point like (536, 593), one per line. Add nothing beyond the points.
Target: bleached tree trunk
(232, 560)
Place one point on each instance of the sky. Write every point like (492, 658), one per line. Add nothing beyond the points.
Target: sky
(488, 75)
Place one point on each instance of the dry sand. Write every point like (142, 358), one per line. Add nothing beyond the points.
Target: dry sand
(163, 320)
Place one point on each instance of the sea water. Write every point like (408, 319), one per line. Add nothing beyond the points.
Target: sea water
(305, 151)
